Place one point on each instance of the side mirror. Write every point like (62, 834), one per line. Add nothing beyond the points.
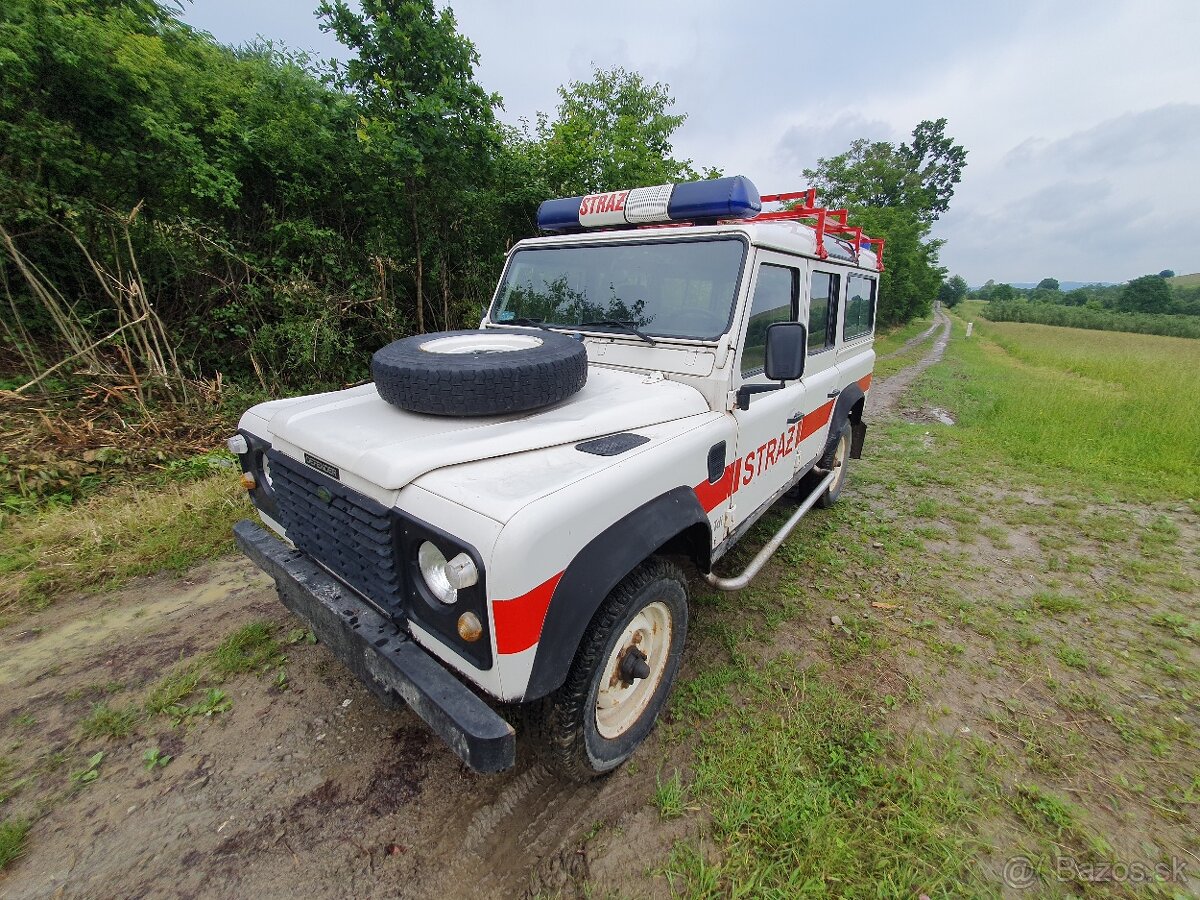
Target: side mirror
(787, 351)
(786, 354)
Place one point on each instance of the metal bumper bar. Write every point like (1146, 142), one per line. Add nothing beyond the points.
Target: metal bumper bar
(380, 655)
(740, 581)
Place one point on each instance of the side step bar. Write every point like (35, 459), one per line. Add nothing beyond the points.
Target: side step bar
(740, 581)
(385, 659)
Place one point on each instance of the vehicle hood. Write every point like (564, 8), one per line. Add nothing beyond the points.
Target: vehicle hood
(359, 432)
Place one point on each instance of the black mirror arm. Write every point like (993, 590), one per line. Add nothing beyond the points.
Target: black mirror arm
(744, 392)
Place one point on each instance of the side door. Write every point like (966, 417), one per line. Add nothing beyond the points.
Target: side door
(822, 304)
(766, 432)
(855, 352)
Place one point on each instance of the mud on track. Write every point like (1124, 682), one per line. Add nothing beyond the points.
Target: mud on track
(314, 791)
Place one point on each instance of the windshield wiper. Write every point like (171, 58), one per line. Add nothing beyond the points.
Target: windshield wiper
(625, 325)
(522, 320)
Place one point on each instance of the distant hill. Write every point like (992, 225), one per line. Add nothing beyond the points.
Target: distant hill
(1069, 285)
(1192, 280)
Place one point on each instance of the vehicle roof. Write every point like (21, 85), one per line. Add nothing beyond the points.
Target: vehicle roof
(783, 235)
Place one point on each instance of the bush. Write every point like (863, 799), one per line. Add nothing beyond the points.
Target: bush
(1094, 319)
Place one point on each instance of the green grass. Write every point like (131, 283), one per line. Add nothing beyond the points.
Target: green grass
(12, 840)
(102, 542)
(668, 796)
(810, 797)
(1120, 412)
(106, 721)
(1192, 280)
(249, 649)
(252, 648)
(892, 339)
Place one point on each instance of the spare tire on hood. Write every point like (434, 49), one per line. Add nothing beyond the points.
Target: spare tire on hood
(483, 372)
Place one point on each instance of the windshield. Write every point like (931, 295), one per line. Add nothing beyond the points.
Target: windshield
(663, 288)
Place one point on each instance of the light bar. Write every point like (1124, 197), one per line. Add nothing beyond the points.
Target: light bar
(735, 197)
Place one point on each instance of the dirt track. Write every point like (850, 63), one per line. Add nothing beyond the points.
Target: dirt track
(316, 791)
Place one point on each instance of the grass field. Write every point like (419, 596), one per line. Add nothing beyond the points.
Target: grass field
(987, 652)
(1119, 411)
(1192, 280)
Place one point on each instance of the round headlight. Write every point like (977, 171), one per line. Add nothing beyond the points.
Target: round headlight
(432, 563)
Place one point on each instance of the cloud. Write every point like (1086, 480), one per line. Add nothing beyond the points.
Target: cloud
(803, 143)
(1146, 136)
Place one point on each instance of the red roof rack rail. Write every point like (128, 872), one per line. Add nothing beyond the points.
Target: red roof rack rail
(833, 222)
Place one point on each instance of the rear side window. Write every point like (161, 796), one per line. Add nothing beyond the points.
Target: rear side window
(822, 313)
(860, 307)
(774, 301)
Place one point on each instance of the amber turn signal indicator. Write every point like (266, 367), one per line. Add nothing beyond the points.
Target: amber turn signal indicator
(469, 627)
(249, 482)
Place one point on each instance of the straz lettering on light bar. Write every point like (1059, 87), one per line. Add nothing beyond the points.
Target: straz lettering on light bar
(603, 209)
(602, 203)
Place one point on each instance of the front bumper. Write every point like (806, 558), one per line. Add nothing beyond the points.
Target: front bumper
(381, 656)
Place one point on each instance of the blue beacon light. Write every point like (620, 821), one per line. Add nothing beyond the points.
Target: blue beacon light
(734, 197)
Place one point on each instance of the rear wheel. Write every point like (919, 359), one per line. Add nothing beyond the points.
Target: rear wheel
(621, 676)
(836, 460)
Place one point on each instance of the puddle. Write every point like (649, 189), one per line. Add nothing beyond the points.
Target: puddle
(32, 652)
(941, 415)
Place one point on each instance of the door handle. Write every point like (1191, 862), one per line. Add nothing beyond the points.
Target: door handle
(834, 393)
(795, 417)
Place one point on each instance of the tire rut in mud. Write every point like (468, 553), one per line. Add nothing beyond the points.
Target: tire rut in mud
(881, 401)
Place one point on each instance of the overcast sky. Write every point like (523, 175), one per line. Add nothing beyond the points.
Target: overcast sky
(1081, 119)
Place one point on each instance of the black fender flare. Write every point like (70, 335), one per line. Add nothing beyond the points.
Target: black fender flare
(598, 568)
(842, 410)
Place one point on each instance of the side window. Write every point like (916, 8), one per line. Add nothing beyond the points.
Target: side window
(774, 301)
(822, 313)
(860, 307)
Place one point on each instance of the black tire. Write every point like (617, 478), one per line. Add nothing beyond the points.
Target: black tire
(484, 382)
(839, 448)
(567, 719)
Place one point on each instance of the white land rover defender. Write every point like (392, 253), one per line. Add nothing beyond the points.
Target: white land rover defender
(504, 511)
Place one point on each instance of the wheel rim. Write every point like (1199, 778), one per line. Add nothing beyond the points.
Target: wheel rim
(840, 455)
(620, 701)
(483, 342)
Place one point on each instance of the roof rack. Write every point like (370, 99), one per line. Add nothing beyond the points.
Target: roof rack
(832, 222)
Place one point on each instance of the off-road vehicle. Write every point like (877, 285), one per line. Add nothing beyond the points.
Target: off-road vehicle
(501, 517)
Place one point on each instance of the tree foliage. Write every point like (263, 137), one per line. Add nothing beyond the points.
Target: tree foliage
(611, 131)
(1148, 294)
(917, 177)
(1048, 284)
(953, 291)
(286, 217)
(897, 192)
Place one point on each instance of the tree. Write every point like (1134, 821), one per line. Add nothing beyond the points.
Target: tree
(918, 177)
(1148, 294)
(427, 126)
(611, 132)
(1166, 273)
(911, 273)
(953, 291)
(1003, 293)
(1047, 284)
(897, 192)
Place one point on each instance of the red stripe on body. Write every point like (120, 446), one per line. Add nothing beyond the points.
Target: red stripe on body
(519, 620)
(713, 495)
(816, 420)
(865, 382)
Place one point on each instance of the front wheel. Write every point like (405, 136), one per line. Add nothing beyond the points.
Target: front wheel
(836, 459)
(621, 675)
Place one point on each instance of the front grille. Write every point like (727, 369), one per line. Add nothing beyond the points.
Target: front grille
(350, 534)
